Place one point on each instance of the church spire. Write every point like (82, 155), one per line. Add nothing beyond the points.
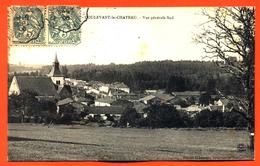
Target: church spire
(55, 70)
(56, 58)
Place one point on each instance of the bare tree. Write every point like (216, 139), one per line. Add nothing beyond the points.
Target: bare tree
(229, 36)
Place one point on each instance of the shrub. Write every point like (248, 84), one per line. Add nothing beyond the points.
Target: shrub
(207, 118)
(165, 116)
(130, 116)
(234, 119)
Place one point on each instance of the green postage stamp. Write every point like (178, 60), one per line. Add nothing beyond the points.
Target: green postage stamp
(63, 25)
(38, 25)
(28, 25)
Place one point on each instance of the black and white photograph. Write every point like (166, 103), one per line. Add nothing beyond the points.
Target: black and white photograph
(131, 83)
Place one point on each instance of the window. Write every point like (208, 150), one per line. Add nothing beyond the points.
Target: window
(58, 82)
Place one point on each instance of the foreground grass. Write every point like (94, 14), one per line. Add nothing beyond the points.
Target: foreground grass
(33, 142)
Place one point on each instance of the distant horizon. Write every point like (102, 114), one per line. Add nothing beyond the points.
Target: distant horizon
(61, 64)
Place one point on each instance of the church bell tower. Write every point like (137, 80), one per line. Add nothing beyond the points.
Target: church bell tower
(55, 73)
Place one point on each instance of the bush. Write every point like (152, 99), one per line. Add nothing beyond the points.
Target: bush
(159, 116)
(130, 117)
(207, 118)
(234, 119)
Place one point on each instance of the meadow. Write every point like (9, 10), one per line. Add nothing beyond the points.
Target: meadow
(36, 142)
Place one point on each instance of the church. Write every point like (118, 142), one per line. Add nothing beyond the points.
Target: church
(49, 87)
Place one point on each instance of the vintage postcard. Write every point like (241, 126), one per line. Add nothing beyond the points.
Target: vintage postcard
(130, 84)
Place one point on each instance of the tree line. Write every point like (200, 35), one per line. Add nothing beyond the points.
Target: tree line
(166, 116)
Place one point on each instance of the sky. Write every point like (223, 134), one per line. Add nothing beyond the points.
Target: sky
(124, 41)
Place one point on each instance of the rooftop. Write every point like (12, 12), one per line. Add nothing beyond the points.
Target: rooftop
(42, 85)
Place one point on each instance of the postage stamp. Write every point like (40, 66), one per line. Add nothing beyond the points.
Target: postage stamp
(28, 25)
(64, 24)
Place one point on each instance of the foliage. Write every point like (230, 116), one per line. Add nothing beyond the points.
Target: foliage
(129, 118)
(25, 102)
(66, 113)
(229, 34)
(176, 84)
(207, 118)
(159, 116)
(234, 119)
(205, 98)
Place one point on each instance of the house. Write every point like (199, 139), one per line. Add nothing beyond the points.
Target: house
(150, 91)
(195, 95)
(193, 109)
(165, 98)
(120, 86)
(131, 96)
(154, 91)
(42, 85)
(222, 104)
(104, 88)
(116, 93)
(93, 91)
(149, 99)
(106, 101)
(157, 98)
(95, 84)
(79, 83)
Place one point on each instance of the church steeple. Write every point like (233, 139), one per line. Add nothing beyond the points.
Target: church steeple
(55, 70)
(55, 73)
(56, 59)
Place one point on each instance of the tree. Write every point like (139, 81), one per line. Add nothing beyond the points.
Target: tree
(26, 104)
(234, 119)
(49, 109)
(207, 118)
(228, 33)
(65, 71)
(176, 83)
(211, 85)
(205, 99)
(130, 116)
(202, 119)
(163, 115)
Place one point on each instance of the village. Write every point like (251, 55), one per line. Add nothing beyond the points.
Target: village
(103, 102)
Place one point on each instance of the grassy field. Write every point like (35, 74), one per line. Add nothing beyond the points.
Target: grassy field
(61, 142)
